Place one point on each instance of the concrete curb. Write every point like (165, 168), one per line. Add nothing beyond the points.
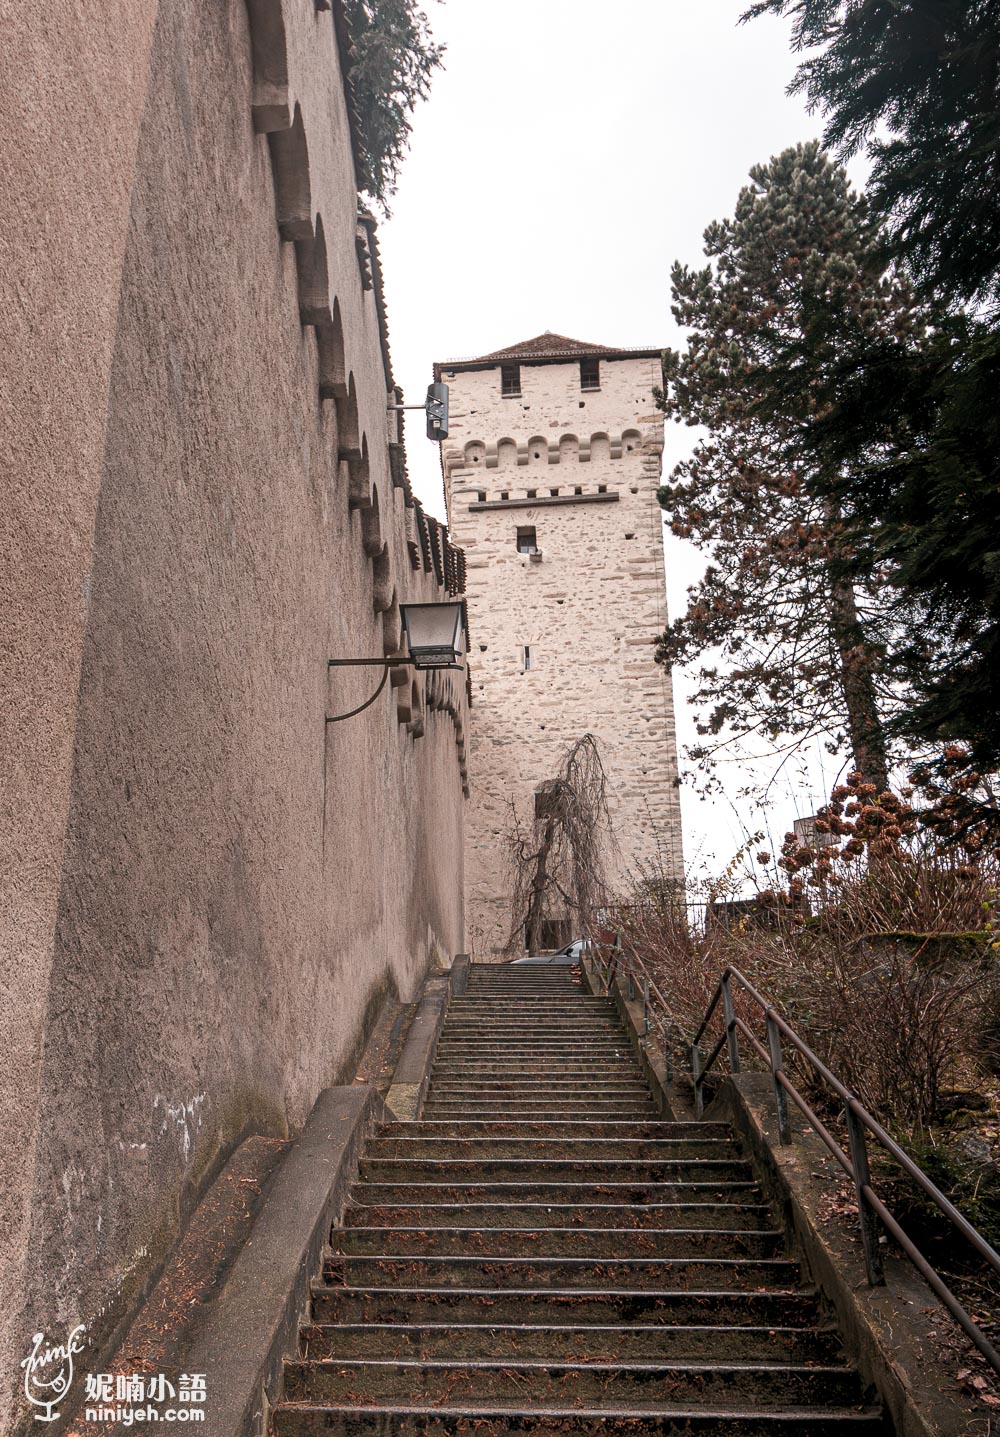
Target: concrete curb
(891, 1332)
(405, 1098)
(245, 1335)
(460, 974)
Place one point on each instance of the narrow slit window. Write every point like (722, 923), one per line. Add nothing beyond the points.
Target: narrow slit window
(510, 380)
(526, 658)
(527, 542)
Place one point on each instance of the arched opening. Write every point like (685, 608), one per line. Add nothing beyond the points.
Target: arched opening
(382, 590)
(359, 494)
(348, 432)
(600, 448)
(290, 168)
(270, 105)
(314, 283)
(371, 526)
(330, 347)
(416, 724)
(569, 449)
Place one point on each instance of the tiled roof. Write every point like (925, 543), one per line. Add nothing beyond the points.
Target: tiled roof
(544, 347)
(547, 345)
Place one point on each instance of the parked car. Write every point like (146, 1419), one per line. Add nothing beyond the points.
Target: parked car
(570, 954)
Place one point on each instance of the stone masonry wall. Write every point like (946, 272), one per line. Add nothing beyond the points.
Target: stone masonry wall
(589, 608)
(210, 888)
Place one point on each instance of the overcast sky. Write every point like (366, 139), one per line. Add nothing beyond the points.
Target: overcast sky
(570, 151)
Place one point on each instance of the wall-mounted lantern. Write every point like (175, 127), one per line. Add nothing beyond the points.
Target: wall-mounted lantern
(433, 633)
(434, 638)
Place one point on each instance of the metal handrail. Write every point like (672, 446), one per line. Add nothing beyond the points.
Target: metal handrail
(872, 1212)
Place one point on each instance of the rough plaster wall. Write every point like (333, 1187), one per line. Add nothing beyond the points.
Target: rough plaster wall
(590, 610)
(239, 880)
(71, 94)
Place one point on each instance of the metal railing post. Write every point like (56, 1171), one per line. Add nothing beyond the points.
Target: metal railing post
(870, 1226)
(668, 1061)
(777, 1066)
(645, 1009)
(729, 1014)
(699, 1101)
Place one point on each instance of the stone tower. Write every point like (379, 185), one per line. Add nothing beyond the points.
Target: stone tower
(551, 471)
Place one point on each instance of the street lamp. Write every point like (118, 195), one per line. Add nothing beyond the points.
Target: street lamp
(434, 638)
(434, 634)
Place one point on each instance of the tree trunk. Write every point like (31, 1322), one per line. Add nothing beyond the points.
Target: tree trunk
(539, 885)
(863, 727)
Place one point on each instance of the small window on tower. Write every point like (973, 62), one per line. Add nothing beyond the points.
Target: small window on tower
(590, 374)
(526, 541)
(526, 658)
(510, 380)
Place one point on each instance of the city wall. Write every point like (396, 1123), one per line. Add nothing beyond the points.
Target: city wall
(206, 889)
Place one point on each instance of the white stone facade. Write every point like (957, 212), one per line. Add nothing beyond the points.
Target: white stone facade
(562, 640)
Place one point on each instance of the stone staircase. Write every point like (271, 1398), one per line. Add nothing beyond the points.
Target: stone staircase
(543, 1254)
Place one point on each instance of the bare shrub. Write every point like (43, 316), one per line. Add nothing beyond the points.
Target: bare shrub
(558, 863)
(878, 947)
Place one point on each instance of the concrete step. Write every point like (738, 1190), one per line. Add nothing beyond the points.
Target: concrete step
(528, 1169)
(588, 1149)
(450, 1189)
(370, 1269)
(449, 1419)
(543, 1254)
(485, 1110)
(578, 1072)
(648, 1385)
(601, 1244)
(527, 1085)
(526, 1052)
(556, 1127)
(706, 1216)
(539, 1025)
(572, 1010)
(601, 1306)
(776, 1345)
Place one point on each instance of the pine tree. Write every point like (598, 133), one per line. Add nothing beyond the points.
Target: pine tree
(910, 441)
(795, 277)
(917, 84)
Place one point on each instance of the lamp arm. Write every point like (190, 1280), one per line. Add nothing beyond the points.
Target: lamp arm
(336, 718)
